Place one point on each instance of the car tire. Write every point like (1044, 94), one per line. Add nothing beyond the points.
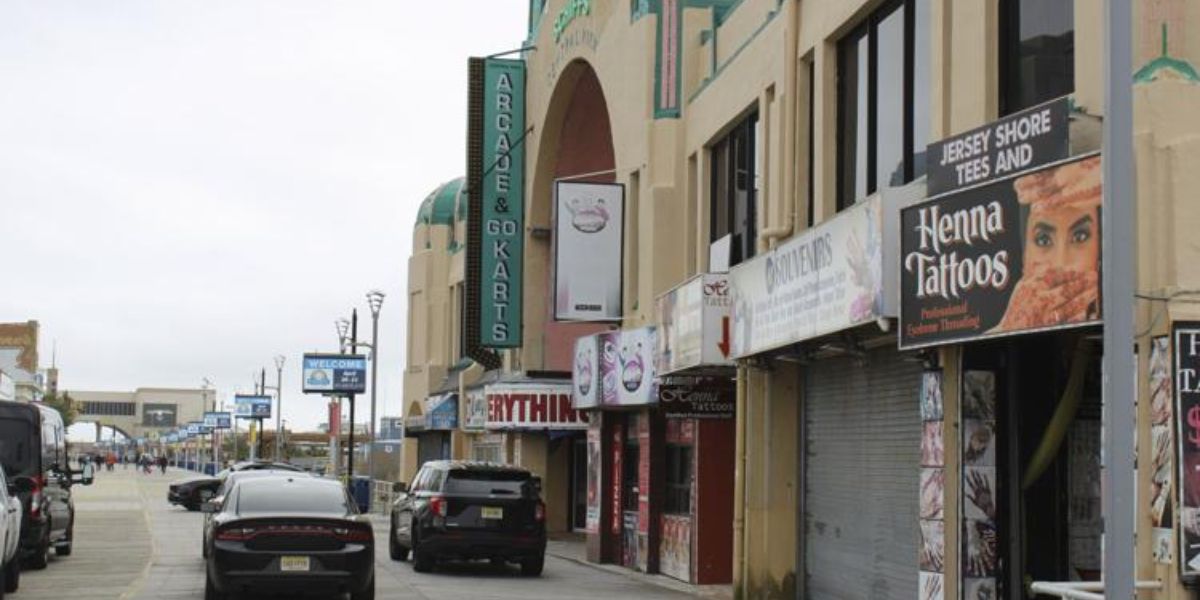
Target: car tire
(41, 557)
(395, 550)
(12, 576)
(210, 590)
(422, 560)
(367, 593)
(532, 567)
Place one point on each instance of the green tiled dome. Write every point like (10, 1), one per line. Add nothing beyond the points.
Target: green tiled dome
(438, 207)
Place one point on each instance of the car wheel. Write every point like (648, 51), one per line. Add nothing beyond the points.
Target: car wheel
(423, 561)
(532, 567)
(210, 590)
(395, 550)
(41, 556)
(12, 575)
(367, 593)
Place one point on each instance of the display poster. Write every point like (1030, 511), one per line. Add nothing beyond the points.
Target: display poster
(1186, 335)
(335, 374)
(595, 462)
(979, 494)
(1017, 255)
(585, 373)
(698, 397)
(675, 547)
(252, 407)
(588, 260)
(636, 356)
(159, 415)
(218, 420)
(513, 406)
(824, 280)
(476, 410)
(932, 489)
(693, 325)
(1021, 141)
(441, 412)
(503, 196)
(1162, 464)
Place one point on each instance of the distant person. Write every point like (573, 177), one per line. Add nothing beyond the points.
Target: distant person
(110, 461)
(162, 464)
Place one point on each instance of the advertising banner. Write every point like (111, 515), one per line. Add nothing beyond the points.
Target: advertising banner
(825, 280)
(594, 464)
(252, 407)
(335, 374)
(588, 232)
(476, 410)
(635, 354)
(1017, 255)
(585, 373)
(1025, 140)
(693, 325)
(503, 196)
(159, 415)
(697, 397)
(193, 428)
(512, 406)
(1187, 408)
(441, 412)
(218, 420)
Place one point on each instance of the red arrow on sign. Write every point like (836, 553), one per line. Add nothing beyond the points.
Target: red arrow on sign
(724, 343)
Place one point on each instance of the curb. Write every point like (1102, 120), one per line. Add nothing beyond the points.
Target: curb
(659, 581)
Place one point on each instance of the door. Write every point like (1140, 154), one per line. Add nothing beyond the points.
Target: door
(579, 475)
(862, 435)
(630, 492)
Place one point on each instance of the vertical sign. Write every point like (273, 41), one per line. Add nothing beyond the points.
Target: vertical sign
(1187, 400)
(1162, 464)
(502, 186)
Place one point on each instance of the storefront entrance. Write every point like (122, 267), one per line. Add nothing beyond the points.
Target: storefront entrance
(630, 497)
(579, 483)
(1031, 462)
(434, 445)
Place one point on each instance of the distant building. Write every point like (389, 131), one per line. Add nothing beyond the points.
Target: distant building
(145, 410)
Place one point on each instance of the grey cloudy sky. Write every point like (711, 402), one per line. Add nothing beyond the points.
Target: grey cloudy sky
(188, 188)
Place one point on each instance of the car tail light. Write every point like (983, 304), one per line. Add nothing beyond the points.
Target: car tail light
(35, 496)
(235, 534)
(539, 512)
(437, 505)
(353, 534)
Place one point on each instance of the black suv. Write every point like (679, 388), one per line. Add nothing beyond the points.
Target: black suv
(470, 510)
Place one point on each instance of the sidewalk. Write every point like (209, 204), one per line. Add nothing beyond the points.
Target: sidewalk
(573, 547)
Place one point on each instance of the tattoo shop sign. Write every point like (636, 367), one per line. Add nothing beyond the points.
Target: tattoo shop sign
(1186, 335)
(1019, 142)
(1017, 255)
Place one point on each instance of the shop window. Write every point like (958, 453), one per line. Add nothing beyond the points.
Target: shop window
(679, 480)
(1037, 52)
(488, 453)
(735, 177)
(630, 466)
(883, 101)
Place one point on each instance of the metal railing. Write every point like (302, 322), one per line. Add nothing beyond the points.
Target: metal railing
(382, 497)
(1083, 590)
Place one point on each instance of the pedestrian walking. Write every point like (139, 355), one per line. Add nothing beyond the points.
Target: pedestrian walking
(110, 462)
(162, 464)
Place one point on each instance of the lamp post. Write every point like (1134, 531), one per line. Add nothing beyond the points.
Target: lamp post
(343, 329)
(375, 300)
(279, 360)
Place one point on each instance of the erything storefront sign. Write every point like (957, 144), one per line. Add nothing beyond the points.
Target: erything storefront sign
(1019, 142)
(823, 281)
(527, 406)
(615, 369)
(503, 216)
(335, 374)
(1017, 255)
(693, 325)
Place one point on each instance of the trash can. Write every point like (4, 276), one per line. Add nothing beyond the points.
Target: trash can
(360, 490)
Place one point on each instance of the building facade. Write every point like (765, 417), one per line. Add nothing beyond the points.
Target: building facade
(144, 413)
(877, 225)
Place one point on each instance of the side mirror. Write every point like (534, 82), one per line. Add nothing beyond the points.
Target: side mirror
(399, 487)
(20, 485)
(210, 508)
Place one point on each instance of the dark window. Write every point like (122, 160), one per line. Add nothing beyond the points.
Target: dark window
(734, 189)
(278, 497)
(112, 409)
(630, 466)
(1037, 52)
(679, 480)
(488, 482)
(16, 448)
(883, 100)
(812, 110)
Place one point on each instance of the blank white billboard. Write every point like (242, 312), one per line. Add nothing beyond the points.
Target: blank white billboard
(588, 233)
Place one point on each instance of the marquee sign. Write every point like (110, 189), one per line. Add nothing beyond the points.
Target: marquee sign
(532, 406)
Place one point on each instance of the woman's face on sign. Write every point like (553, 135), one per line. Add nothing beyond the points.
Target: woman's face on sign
(1064, 236)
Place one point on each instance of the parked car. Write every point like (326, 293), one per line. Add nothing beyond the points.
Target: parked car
(193, 492)
(470, 510)
(10, 533)
(33, 452)
(231, 480)
(289, 535)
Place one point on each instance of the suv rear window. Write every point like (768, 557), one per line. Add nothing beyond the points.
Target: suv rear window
(488, 482)
(16, 448)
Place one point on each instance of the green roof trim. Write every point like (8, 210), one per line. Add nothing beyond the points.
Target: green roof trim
(1181, 69)
(439, 206)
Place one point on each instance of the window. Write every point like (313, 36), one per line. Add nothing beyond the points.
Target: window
(735, 177)
(883, 101)
(679, 480)
(1037, 52)
(487, 453)
(513, 483)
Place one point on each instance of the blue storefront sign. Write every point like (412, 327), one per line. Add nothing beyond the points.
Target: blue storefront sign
(441, 412)
(334, 374)
(253, 407)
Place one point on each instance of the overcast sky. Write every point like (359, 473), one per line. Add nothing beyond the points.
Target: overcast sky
(190, 187)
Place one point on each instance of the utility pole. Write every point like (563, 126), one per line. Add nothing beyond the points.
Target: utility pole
(1119, 223)
(279, 360)
(375, 300)
(353, 347)
(263, 387)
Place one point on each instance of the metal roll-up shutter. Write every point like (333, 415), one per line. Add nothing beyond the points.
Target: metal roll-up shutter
(862, 463)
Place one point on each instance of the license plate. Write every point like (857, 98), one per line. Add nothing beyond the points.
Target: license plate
(493, 512)
(293, 563)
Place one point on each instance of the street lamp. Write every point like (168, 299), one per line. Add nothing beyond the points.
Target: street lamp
(375, 300)
(279, 360)
(343, 329)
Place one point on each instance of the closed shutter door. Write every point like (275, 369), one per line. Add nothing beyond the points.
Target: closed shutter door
(862, 457)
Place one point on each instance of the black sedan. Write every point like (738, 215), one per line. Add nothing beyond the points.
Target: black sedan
(290, 535)
(192, 493)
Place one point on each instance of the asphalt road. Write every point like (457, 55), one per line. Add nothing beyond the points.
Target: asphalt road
(130, 544)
